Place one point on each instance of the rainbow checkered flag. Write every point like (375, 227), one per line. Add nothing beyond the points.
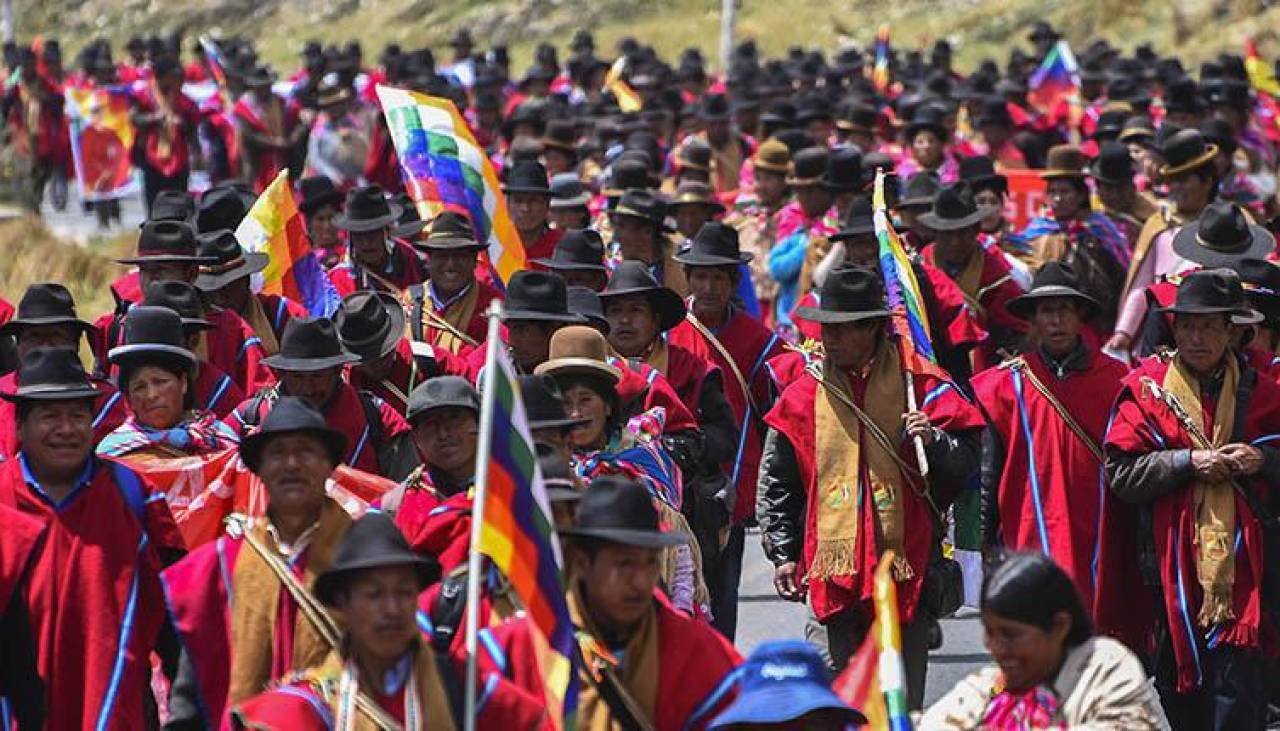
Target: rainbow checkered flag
(874, 680)
(445, 169)
(880, 70)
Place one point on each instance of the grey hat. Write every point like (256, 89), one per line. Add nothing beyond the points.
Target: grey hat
(442, 392)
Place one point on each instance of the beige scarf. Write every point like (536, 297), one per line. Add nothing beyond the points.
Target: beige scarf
(639, 672)
(1156, 223)
(1214, 503)
(256, 590)
(354, 710)
(840, 450)
(457, 316)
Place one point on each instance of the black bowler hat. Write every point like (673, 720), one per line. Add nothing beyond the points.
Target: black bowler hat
(714, 107)
(172, 205)
(439, 393)
(627, 174)
(367, 209)
(586, 302)
(1261, 281)
(633, 277)
(1110, 124)
(995, 112)
(979, 171)
(714, 245)
(318, 192)
(45, 304)
(578, 250)
(544, 404)
(844, 171)
(1113, 164)
(450, 231)
(409, 225)
(230, 262)
(954, 209)
(372, 542)
(183, 299)
(166, 242)
(930, 118)
(567, 191)
(220, 209)
(1213, 291)
(619, 510)
(1220, 133)
(859, 220)
(920, 191)
(849, 294)
(1184, 151)
(52, 374)
(369, 324)
(1055, 280)
(291, 415)
(640, 204)
(538, 296)
(152, 333)
(557, 476)
(527, 177)
(310, 344)
(1221, 237)
(808, 166)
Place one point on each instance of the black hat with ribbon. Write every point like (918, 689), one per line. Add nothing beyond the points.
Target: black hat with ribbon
(849, 294)
(291, 415)
(369, 324)
(167, 242)
(714, 245)
(577, 250)
(310, 344)
(633, 277)
(539, 297)
(48, 303)
(955, 209)
(230, 261)
(372, 542)
(367, 209)
(1055, 280)
(619, 510)
(1221, 237)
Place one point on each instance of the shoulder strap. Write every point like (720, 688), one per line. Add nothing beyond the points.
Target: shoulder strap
(252, 415)
(448, 673)
(372, 416)
(621, 706)
(1019, 364)
(418, 293)
(728, 358)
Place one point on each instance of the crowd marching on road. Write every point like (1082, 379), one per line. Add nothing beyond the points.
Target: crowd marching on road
(439, 398)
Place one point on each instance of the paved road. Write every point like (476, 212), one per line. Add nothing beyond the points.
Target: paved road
(763, 616)
(78, 225)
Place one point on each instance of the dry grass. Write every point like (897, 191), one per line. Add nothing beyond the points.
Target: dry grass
(33, 254)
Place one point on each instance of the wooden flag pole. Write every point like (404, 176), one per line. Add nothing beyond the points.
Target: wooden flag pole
(921, 459)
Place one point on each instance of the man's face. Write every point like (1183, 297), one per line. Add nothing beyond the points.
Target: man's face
(1189, 191)
(1202, 340)
(590, 278)
(618, 584)
(633, 325)
(712, 288)
(57, 436)
(378, 609)
(996, 201)
(690, 217)
(566, 219)
(376, 369)
(850, 345)
(528, 210)
(862, 250)
(314, 387)
(955, 247)
(1056, 324)
(1116, 196)
(234, 296)
(294, 468)
(369, 248)
(447, 437)
(166, 272)
(814, 199)
(31, 337)
(1066, 199)
(771, 187)
(450, 270)
(635, 235)
(530, 342)
(321, 229)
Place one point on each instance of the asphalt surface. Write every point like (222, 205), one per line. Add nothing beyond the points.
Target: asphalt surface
(80, 225)
(763, 616)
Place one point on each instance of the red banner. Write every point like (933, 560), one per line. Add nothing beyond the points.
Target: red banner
(1026, 197)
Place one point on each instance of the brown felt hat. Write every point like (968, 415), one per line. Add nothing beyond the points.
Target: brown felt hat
(1065, 161)
(579, 350)
(772, 155)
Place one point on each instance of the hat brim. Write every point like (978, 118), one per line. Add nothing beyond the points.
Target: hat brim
(565, 423)
(694, 259)
(1024, 306)
(919, 202)
(410, 230)
(327, 584)
(570, 266)
(845, 234)
(784, 702)
(1095, 173)
(140, 351)
(543, 190)
(571, 318)
(251, 446)
(254, 262)
(15, 325)
(578, 366)
(630, 536)
(168, 259)
(666, 304)
(55, 393)
(710, 203)
(1060, 173)
(795, 182)
(449, 243)
(1238, 315)
(282, 362)
(360, 225)
(938, 223)
(313, 204)
(414, 415)
(815, 314)
(388, 342)
(563, 494)
(1186, 245)
(759, 164)
(1199, 161)
(582, 200)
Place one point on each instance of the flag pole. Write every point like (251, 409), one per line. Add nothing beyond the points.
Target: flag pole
(474, 560)
(922, 461)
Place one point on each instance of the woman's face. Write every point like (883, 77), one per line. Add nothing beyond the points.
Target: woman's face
(155, 396)
(1027, 655)
(583, 403)
(926, 148)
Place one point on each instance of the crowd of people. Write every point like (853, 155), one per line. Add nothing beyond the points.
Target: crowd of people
(1086, 405)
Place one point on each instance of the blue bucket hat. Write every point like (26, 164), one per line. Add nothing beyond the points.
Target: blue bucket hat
(782, 681)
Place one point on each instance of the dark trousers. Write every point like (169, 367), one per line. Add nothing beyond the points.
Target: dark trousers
(153, 183)
(723, 583)
(845, 632)
(1233, 694)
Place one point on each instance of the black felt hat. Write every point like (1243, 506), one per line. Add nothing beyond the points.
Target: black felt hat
(1184, 151)
(859, 220)
(172, 205)
(979, 171)
(1114, 164)
(167, 242)
(527, 176)
(369, 324)
(539, 297)
(1261, 281)
(52, 374)
(577, 250)
(619, 510)
(310, 344)
(955, 209)
(367, 209)
(849, 294)
(1221, 237)
(1055, 280)
(640, 204)
(544, 404)
(221, 208)
(586, 302)
(1213, 291)
(230, 261)
(567, 191)
(634, 278)
(714, 107)
(450, 231)
(844, 171)
(715, 245)
(153, 333)
(291, 415)
(409, 225)
(317, 192)
(48, 303)
(920, 190)
(183, 299)
(439, 393)
(808, 167)
(372, 542)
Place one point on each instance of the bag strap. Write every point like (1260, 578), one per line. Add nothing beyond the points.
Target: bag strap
(419, 295)
(622, 706)
(1019, 364)
(727, 357)
(452, 688)
(372, 415)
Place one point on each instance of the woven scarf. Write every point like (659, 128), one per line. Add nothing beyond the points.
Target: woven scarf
(354, 711)
(458, 315)
(840, 454)
(1034, 710)
(257, 318)
(1213, 503)
(200, 433)
(969, 278)
(255, 607)
(637, 670)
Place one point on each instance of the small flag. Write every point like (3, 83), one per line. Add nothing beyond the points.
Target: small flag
(628, 99)
(101, 140)
(445, 169)
(1057, 79)
(874, 680)
(880, 70)
(910, 318)
(274, 226)
(1263, 80)
(518, 533)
